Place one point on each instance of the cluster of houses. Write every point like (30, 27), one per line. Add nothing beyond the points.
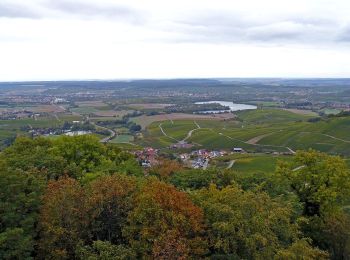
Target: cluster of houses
(57, 100)
(338, 105)
(146, 157)
(27, 98)
(199, 159)
(207, 154)
(200, 163)
(64, 130)
(58, 131)
(76, 133)
(45, 131)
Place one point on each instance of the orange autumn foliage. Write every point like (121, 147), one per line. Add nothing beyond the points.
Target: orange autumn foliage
(72, 213)
(161, 209)
(165, 168)
(63, 218)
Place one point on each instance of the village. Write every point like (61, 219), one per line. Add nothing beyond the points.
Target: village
(196, 159)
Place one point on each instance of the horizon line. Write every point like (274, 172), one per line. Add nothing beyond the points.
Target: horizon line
(175, 78)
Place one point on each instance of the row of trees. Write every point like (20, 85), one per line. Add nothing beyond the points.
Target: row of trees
(74, 198)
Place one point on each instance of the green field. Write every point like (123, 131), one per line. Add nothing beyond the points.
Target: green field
(49, 121)
(84, 110)
(122, 139)
(251, 163)
(256, 164)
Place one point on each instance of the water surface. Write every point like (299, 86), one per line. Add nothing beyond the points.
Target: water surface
(231, 105)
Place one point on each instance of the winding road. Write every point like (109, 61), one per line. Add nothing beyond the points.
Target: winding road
(189, 134)
(108, 138)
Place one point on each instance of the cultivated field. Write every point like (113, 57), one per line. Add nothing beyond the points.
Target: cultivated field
(149, 106)
(112, 113)
(96, 103)
(84, 110)
(145, 121)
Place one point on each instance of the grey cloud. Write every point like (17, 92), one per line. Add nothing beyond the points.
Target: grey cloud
(13, 10)
(87, 9)
(234, 27)
(76, 8)
(201, 26)
(282, 31)
(218, 19)
(344, 34)
(213, 28)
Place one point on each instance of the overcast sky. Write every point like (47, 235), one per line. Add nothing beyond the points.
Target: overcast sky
(114, 39)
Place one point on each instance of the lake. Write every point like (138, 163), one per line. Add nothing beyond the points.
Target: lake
(231, 105)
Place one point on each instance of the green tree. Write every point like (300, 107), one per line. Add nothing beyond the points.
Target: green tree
(330, 232)
(84, 151)
(26, 154)
(301, 249)
(320, 181)
(197, 179)
(104, 250)
(16, 244)
(245, 224)
(19, 209)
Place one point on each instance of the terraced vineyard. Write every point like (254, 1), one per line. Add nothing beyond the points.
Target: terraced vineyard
(260, 130)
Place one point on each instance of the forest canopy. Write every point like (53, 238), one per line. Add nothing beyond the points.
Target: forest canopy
(76, 198)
